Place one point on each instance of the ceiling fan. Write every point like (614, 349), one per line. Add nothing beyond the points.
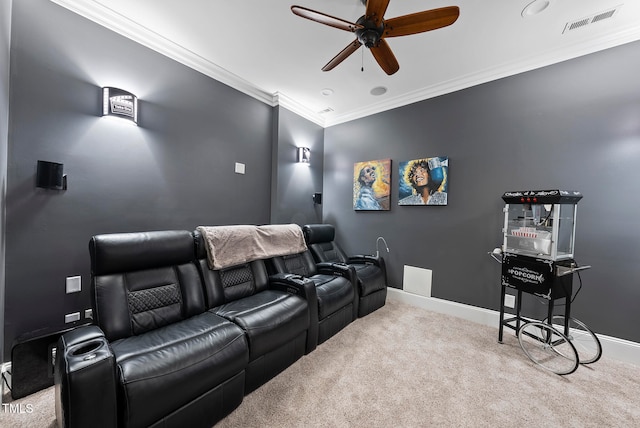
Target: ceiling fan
(371, 29)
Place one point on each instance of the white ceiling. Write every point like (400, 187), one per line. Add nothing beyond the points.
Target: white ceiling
(262, 49)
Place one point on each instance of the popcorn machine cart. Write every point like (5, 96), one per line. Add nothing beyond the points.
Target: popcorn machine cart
(537, 258)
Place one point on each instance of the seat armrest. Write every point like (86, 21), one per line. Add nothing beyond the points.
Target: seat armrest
(81, 335)
(305, 288)
(346, 271)
(294, 284)
(360, 259)
(85, 379)
(333, 268)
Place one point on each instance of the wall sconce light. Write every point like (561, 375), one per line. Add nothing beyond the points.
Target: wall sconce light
(304, 155)
(119, 103)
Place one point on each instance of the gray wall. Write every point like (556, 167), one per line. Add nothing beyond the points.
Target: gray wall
(5, 42)
(573, 125)
(176, 170)
(293, 183)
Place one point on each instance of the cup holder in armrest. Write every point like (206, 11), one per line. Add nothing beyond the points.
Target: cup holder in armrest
(85, 379)
(86, 348)
(87, 351)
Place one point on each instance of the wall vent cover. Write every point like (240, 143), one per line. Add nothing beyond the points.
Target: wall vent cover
(325, 111)
(597, 17)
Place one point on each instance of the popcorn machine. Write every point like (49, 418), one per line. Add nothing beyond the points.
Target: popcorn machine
(538, 241)
(537, 258)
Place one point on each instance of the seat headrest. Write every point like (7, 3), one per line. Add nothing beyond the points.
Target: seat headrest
(129, 252)
(317, 233)
(201, 246)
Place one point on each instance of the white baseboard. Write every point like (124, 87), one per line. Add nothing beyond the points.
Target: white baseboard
(612, 347)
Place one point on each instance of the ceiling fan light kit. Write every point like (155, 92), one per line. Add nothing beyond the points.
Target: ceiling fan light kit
(371, 29)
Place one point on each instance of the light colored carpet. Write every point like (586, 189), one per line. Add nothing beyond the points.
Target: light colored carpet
(403, 366)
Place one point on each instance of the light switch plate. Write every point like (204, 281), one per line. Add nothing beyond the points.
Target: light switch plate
(239, 168)
(74, 284)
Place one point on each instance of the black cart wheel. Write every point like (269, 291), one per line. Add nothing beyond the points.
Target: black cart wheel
(547, 347)
(584, 340)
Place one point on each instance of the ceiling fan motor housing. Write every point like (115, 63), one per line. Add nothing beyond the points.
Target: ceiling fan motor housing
(370, 34)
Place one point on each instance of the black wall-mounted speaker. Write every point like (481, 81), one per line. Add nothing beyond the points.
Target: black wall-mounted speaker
(317, 198)
(50, 175)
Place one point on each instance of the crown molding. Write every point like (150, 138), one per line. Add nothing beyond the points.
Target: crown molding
(299, 109)
(565, 53)
(122, 25)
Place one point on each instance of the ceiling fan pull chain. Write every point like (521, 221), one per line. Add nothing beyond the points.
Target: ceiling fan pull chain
(362, 56)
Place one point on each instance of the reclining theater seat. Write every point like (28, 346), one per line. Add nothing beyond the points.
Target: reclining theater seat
(280, 324)
(370, 270)
(155, 357)
(335, 287)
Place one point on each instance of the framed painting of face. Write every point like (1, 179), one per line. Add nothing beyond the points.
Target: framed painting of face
(371, 185)
(424, 181)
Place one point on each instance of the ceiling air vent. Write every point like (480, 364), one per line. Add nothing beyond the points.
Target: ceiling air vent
(583, 22)
(325, 111)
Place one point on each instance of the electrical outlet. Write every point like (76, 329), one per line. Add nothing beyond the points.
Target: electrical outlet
(509, 300)
(6, 374)
(52, 359)
(72, 317)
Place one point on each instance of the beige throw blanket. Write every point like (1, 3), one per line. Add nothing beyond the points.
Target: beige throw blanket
(234, 245)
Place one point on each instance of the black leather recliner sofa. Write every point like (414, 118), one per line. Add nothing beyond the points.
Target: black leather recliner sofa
(370, 270)
(280, 326)
(156, 356)
(335, 288)
(174, 344)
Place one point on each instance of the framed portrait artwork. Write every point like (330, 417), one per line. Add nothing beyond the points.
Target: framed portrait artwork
(371, 185)
(424, 181)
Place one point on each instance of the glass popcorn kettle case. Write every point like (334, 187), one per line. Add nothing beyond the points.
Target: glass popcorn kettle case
(540, 223)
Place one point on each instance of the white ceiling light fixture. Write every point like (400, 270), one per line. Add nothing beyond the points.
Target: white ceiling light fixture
(378, 90)
(327, 92)
(535, 7)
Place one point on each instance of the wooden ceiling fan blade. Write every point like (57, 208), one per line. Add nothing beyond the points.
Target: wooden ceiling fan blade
(421, 21)
(385, 57)
(325, 19)
(344, 54)
(375, 10)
